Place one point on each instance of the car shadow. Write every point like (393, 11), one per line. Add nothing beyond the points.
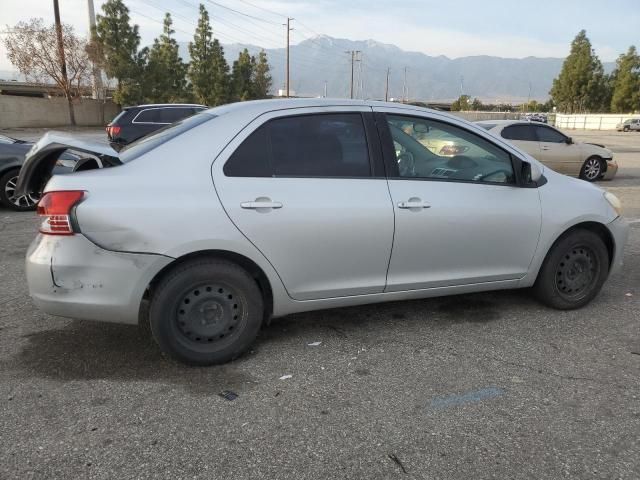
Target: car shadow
(83, 350)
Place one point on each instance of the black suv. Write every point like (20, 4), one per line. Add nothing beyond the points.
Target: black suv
(135, 122)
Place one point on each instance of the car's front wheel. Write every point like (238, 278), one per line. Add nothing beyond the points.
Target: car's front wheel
(206, 311)
(8, 195)
(592, 169)
(574, 271)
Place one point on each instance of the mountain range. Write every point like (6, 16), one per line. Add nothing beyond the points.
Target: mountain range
(325, 62)
(429, 78)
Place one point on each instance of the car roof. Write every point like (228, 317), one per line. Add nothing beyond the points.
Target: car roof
(504, 123)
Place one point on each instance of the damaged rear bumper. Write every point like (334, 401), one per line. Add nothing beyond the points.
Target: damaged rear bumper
(70, 276)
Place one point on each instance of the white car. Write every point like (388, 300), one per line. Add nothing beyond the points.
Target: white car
(262, 209)
(554, 149)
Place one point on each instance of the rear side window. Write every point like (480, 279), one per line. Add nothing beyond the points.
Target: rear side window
(323, 145)
(170, 115)
(151, 115)
(546, 134)
(523, 133)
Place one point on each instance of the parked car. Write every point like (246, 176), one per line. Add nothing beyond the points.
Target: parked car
(12, 154)
(286, 206)
(133, 123)
(633, 124)
(536, 117)
(553, 148)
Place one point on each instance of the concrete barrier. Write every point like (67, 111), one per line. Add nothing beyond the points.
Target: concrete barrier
(17, 111)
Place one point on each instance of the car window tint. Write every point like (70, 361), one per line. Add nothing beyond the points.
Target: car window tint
(546, 134)
(151, 115)
(170, 115)
(324, 145)
(437, 150)
(251, 158)
(523, 133)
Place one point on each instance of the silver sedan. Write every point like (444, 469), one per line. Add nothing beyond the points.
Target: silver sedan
(262, 209)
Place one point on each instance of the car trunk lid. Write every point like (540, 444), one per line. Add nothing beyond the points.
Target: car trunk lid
(42, 157)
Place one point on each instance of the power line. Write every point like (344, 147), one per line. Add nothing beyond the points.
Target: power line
(241, 13)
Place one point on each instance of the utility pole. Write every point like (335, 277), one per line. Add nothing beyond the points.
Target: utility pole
(96, 80)
(63, 63)
(386, 87)
(325, 89)
(354, 54)
(405, 89)
(461, 85)
(287, 72)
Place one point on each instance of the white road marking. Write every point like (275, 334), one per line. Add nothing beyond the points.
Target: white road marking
(636, 220)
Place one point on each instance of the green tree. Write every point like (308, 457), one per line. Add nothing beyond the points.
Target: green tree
(165, 80)
(461, 104)
(242, 76)
(114, 47)
(262, 80)
(208, 71)
(582, 84)
(625, 81)
(476, 104)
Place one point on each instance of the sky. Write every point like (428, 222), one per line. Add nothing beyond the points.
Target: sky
(455, 28)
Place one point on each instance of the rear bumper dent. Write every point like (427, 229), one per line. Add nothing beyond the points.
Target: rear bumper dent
(72, 277)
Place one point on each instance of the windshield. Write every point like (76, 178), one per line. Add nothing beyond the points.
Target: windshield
(157, 138)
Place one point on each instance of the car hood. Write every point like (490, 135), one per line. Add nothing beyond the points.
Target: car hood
(42, 157)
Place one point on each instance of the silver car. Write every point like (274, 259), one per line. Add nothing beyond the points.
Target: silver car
(262, 209)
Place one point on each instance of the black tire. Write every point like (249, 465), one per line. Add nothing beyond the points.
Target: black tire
(625, 129)
(574, 270)
(7, 186)
(206, 312)
(592, 169)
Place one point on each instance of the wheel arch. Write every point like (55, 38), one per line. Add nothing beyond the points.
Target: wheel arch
(598, 228)
(242, 261)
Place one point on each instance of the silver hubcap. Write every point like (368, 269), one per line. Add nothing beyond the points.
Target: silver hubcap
(22, 201)
(592, 169)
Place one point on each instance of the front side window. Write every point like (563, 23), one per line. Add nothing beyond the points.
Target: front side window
(321, 145)
(546, 134)
(437, 150)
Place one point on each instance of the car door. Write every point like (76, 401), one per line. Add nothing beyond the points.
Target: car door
(523, 136)
(557, 151)
(460, 219)
(307, 188)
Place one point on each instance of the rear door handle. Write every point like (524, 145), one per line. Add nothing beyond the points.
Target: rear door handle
(260, 203)
(544, 147)
(413, 203)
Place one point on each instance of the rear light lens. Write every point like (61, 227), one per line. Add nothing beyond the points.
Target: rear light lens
(55, 210)
(113, 130)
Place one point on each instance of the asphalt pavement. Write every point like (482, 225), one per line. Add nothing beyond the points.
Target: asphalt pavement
(490, 385)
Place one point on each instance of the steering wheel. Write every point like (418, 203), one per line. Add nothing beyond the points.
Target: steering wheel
(507, 174)
(406, 165)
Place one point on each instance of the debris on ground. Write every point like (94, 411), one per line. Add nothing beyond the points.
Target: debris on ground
(314, 344)
(285, 377)
(397, 461)
(228, 395)
(628, 294)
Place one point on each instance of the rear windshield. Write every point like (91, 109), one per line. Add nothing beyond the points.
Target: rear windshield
(157, 138)
(119, 116)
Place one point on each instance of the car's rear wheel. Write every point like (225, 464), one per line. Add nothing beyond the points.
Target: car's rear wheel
(8, 196)
(574, 271)
(592, 169)
(625, 129)
(206, 312)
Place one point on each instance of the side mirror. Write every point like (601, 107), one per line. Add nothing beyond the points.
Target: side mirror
(569, 140)
(530, 173)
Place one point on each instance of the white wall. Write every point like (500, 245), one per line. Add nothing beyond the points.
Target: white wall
(16, 111)
(592, 121)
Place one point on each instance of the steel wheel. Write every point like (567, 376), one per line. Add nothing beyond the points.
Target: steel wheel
(592, 169)
(210, 313)
(577, 272)
(8, 184)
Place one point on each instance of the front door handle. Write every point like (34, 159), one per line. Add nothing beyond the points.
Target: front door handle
(413, 203)
(261, 204)
(544, 147)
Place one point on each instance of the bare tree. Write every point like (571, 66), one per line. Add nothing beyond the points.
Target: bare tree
(33, 50)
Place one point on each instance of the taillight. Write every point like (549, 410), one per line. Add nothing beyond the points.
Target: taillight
(55, 208)
(113, 130)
